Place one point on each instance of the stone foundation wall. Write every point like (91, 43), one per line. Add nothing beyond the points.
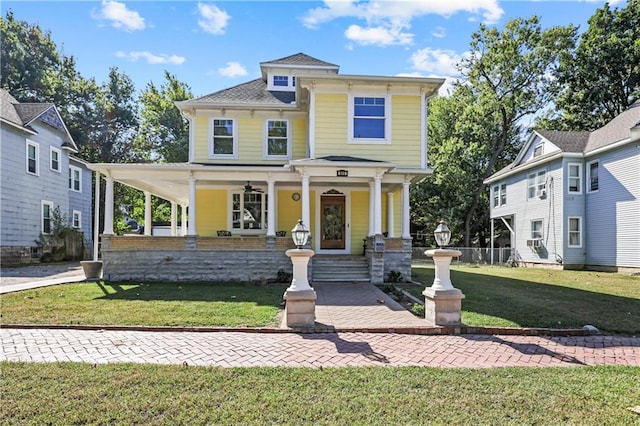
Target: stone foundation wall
(194, 265)
(395, 257)
(19, 255)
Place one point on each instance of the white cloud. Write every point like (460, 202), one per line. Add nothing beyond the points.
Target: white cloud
(152, 58)
(391, 14)
(233, 69)
(212, 19)
(379, 36)
(437, 61)
(119, 16)
(439, 32)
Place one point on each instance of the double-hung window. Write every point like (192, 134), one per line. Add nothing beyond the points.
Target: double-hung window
(500, 195)
(54, 159)
(537, 151)
(536, 184)
(249, 211)
(224, 142)
(574, 178)
(536, 229)
(75, 179)
(76, 219)
(575, 232)
(593, 176)
(278, 139)
(369, 119)
(46, 217)
(33, 153)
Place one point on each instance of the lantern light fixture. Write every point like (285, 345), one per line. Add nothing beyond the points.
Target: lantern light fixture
(442, 234)
(300, 234)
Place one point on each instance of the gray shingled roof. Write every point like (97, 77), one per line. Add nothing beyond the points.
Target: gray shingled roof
(616, 130)
(250, 93)
(299, 59)
(7, 108)
(566, 141)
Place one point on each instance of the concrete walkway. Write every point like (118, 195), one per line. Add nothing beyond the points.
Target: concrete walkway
(39, 275)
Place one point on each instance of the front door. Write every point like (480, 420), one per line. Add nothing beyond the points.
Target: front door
(332, 230)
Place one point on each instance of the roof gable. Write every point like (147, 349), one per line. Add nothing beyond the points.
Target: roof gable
(300, 59)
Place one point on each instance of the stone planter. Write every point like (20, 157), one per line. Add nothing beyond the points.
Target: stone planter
(92, 269)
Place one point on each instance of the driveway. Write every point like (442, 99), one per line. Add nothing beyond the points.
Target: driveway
(39, 275)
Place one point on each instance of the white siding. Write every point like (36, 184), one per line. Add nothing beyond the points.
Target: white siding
(524, 210)
(574, 206)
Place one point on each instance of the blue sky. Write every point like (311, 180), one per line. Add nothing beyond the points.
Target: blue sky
(213, 45)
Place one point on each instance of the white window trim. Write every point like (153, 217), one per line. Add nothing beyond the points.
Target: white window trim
(541, 229)
(579, 191)
(495, 199)
(290, 87)
(263, 212)
(387, 119)
(79, 170)
(569, 231)
(59, 152)
(588, 180)
(73, 215)
(37, 146)
(234, 127)
(266, 141)
(503, 192)
(535, 148)
(537, 186)
(42, 204)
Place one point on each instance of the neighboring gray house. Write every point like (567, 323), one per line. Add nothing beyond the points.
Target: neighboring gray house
(573, 198)
(38, 175)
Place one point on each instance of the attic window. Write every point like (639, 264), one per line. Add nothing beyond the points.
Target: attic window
(537, 151)
(281, 80)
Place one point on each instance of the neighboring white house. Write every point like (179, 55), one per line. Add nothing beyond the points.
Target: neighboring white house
(39, 174)
(573, 198)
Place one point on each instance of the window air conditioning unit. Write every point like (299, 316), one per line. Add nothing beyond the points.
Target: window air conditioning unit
(534, 243)
(541, 193)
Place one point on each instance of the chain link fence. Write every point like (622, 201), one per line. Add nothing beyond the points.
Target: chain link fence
(471, 255)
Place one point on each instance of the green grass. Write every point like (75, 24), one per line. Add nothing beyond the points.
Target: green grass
(531, 297)
(158, 304)
(69, 393)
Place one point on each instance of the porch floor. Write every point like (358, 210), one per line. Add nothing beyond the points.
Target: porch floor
(360, 305)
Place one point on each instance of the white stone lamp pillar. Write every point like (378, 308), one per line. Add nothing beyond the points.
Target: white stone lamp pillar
(300, 298)
(442, 301)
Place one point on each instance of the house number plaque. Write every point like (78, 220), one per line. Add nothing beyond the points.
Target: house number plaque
(342, 173)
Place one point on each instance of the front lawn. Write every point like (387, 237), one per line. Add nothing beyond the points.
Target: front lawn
(533, 297)
(157, 304)
(69, 393)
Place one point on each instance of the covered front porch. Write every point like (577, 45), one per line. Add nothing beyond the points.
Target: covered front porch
(235, 220)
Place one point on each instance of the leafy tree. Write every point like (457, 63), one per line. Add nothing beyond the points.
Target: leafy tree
(601, 78)
(508, 75)
(164, 134)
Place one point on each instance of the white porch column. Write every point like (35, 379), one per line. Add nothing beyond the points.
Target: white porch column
(192, 207)
(108, 207)
(377, 228)
(406, 226)
(148, 221)
(306, 214)
(183, 220)
(174, 219)
(96, 217)
(390, 215)
(271, 208)
(491, 240)
(372, 201)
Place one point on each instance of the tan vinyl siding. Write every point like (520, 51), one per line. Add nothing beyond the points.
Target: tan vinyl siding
(201, 140)
(332, 117)
(250, 140)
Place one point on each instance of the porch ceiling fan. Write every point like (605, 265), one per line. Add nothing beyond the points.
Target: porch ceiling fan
(248, 188)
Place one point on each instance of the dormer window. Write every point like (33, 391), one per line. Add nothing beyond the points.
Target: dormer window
(281, 80)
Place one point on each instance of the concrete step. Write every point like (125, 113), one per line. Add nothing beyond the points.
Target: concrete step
(340, 268)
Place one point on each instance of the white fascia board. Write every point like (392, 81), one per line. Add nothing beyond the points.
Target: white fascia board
(19, 126)
(523, 167)
(607, 147)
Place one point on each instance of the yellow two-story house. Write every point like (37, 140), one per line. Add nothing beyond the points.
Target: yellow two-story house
(301, 142)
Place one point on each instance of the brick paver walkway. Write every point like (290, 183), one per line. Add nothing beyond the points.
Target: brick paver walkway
(236, 349)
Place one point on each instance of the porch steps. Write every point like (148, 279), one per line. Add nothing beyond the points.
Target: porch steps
(337, 268)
